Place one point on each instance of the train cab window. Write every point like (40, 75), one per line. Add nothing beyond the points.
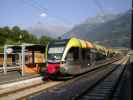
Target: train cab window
(70, 57)
(72, 54)
(55, 53)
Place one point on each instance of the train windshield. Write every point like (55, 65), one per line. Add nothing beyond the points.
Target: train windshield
(56, 50)
(55, 53)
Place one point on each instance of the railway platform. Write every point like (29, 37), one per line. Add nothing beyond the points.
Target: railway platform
(14, 76)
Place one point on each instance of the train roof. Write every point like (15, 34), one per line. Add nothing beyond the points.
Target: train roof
(72, 42)
(75, 42)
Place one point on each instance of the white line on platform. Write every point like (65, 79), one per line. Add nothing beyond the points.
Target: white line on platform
(38, 79)
(6, 88)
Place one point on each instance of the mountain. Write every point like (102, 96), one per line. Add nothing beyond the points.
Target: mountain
(51, 30)
(100, 18)
(110, 30)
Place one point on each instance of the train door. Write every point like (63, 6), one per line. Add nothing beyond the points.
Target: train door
(87, 57)
(92, 56)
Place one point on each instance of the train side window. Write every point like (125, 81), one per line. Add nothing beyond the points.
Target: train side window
(88, 54)
(92, 55)
(99, 56)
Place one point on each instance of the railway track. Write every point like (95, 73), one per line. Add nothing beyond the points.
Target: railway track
(79, 87)
(105, 89)
(24, 91)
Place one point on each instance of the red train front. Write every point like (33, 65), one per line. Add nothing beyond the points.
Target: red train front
(54, 55)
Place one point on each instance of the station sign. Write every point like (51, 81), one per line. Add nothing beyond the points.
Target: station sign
(9, 50)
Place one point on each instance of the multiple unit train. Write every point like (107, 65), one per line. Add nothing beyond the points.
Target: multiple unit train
(74, 56)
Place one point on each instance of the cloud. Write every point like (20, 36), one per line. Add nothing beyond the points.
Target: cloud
(43, 14)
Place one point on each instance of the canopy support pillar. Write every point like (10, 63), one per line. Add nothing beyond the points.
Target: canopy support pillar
(5, 60)
(23, 59)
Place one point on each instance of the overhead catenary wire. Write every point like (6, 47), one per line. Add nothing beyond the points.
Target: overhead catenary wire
(34, 4)
(100, 8)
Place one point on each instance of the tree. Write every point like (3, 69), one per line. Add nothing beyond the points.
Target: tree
(3, 36)
(45, 39)
(16, 35)
(16, 29)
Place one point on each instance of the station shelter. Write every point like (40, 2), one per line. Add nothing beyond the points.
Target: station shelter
(26, 58)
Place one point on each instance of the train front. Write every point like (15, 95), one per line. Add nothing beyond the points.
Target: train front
(54, 55)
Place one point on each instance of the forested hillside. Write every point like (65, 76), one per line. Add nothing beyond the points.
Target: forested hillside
(114, 31)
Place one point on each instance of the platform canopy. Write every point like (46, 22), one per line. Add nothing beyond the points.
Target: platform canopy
(21, 49)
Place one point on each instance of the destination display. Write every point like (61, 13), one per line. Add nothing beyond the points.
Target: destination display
(56, 50)
(61, 42)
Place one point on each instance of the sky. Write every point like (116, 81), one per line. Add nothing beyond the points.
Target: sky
(26, 13)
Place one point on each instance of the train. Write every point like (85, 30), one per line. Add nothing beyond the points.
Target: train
(73, 56)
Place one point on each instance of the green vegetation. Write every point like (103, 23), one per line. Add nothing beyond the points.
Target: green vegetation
(1, 49)
(15, 35)
(45, 39)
